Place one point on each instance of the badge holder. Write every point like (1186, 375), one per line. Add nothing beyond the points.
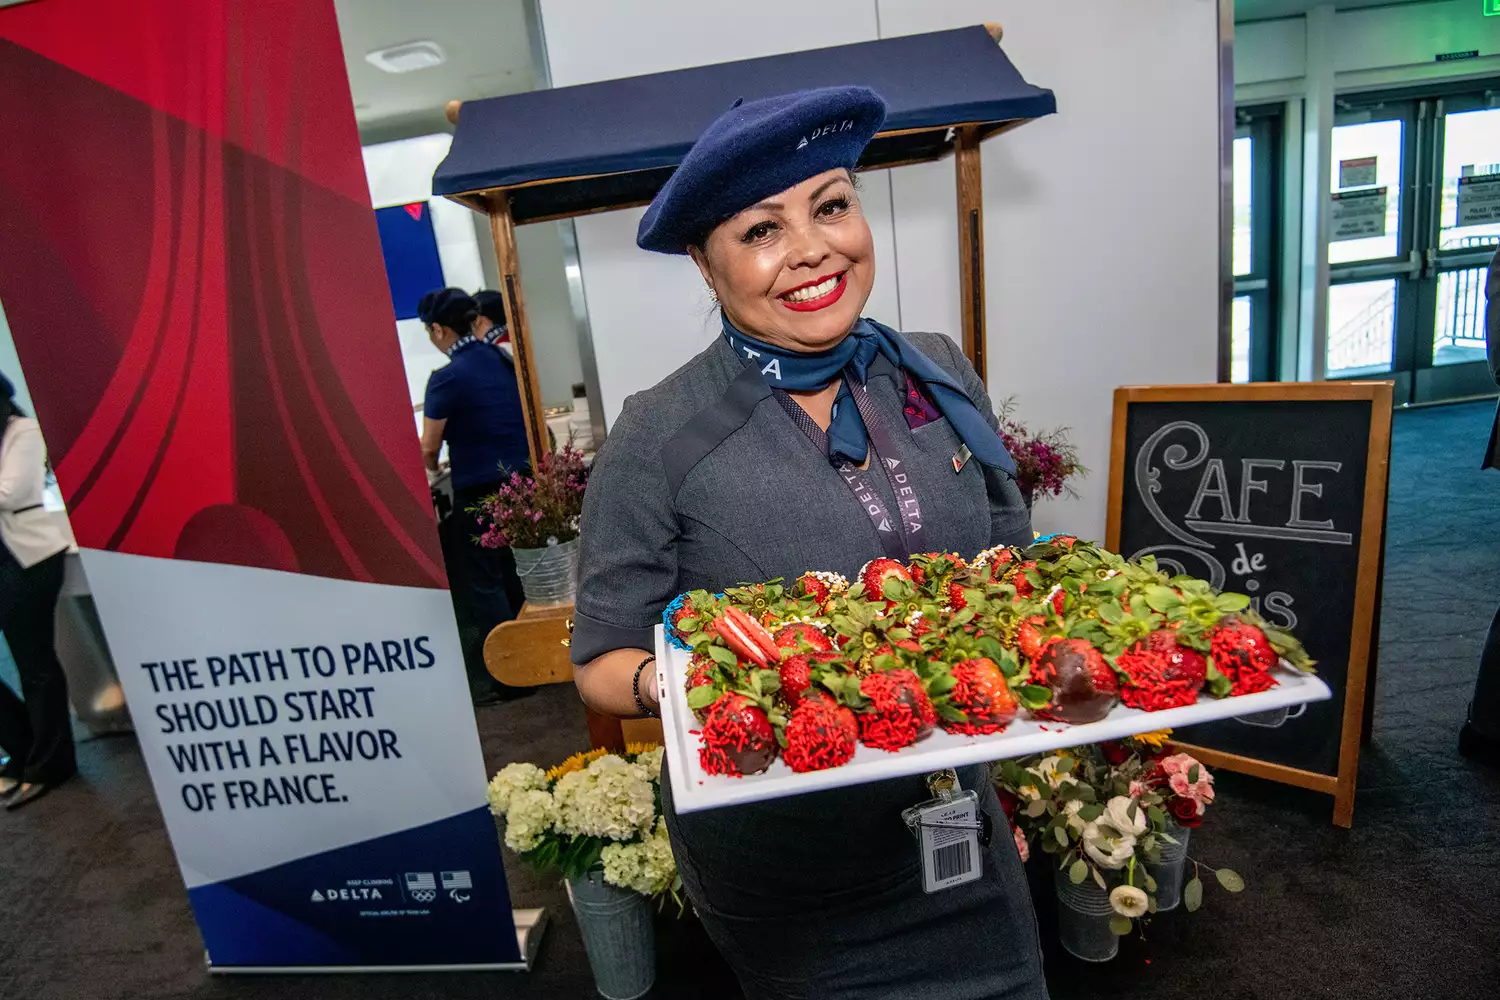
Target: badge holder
(950, 829)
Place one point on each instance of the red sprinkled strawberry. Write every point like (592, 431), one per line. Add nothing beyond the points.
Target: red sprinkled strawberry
(747, 638)
(900, 712)
(875, 574)
(820, 734)
(737, 738)
(1243, 654)
(796, 674)
(956, 599)
(792, 636)
(982, 695)
(1083, 685)
(1160, 674)
(700, 675)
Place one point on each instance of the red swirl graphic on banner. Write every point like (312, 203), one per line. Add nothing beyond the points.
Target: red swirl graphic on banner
(194, 283)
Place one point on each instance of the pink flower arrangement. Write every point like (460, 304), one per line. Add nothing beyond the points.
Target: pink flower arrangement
(527, 511)
(1190, 783)
(1044, 461)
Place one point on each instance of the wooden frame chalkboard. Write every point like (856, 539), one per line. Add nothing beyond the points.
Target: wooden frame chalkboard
(1351, 429)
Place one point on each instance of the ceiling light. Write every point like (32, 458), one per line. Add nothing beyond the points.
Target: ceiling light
(407, 57)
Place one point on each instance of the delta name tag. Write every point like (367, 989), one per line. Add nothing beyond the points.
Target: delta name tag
(961, 458)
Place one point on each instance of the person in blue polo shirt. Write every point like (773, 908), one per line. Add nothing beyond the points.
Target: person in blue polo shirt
(474, 404)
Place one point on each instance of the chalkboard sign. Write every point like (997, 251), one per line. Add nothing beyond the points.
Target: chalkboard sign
(1276, 491)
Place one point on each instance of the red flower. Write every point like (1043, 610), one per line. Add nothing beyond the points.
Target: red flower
(1185, 812)
(1115, 752)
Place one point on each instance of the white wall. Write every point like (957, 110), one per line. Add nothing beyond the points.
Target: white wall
(1101, 223)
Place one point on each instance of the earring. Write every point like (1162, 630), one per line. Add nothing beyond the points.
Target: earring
(713, 293)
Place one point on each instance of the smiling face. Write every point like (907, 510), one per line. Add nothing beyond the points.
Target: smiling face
(795, 269)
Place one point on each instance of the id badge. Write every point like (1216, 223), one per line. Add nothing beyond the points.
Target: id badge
(947, 830)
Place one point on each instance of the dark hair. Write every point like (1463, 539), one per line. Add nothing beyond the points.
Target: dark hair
(491, 305)
(450, 307)
(9, 408)
(701, 243)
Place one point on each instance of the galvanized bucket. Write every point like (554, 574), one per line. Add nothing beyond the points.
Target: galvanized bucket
(549, 575)
(1083, 913)
(1171, 872)
(618, 935)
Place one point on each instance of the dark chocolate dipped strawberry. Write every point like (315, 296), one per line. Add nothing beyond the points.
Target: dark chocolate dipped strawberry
(1159, 673)
(737, 738)
(981, 697)
(820, 734)
(899, 712)
(747, 638)
(1243, 654)
(796, 673)
(797, 635)
(1083, 687)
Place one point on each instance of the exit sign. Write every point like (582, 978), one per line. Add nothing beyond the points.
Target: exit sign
(1491, 8)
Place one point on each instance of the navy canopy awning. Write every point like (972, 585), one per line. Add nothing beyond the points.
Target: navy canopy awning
(572, 150)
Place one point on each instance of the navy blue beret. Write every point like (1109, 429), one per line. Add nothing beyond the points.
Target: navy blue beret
(448, 306)
(757, 149)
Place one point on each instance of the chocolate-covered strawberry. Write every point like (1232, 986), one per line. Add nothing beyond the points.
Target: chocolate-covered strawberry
(689, 613)
(1159, 673)
(737, 738)
(796, 673)
(899, 712)
(820, 734)
(981, 694)
(1243, 654)
(747, 638)
(1083, 686)
(799, 634)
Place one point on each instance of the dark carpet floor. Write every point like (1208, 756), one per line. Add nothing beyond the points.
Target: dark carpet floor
(1405, 906)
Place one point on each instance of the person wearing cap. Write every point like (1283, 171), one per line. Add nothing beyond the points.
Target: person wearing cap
(37, 733)
(473, 403)
(734, 469)
(490, 327)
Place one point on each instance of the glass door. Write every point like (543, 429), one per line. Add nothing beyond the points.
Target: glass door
(1415, 217)
(1257, 158)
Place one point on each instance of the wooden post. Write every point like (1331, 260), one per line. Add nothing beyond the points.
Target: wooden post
(966, 167)
(503, 231)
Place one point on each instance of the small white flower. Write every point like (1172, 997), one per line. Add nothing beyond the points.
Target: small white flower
(1117, 813)
(1107, 846)
(651, 761)
(511, 779)
(1046, 769)
(531, 815)
(1070, 812)
(1128, 901)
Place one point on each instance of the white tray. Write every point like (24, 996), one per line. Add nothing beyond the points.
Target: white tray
(693, 789)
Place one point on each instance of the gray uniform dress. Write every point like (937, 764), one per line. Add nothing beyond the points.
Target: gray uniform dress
(705, 481)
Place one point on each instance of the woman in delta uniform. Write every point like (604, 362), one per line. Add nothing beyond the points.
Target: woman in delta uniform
(729, 471)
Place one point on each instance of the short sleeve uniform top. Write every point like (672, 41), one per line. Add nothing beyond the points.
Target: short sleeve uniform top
(477, 393)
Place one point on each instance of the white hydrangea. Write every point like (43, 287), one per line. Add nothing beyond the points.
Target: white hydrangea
(611, 798)
(531, 815)
(646, 867)
(651, 761)
(511, 779)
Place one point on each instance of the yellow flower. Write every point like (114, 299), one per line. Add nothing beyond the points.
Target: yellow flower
(577, 762)
(1156, 739)
(636, 749)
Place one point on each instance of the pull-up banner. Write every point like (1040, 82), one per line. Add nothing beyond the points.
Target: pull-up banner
(191, 271)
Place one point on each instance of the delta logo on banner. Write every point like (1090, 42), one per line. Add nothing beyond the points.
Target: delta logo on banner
(191, 272)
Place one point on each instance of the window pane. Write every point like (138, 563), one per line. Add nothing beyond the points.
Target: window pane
(1458, 334)
(1239, 332)
(1471, 147)
(1382, 141)
(1361, 326)
(1243, 149)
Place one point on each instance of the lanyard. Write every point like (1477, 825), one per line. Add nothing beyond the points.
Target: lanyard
(898, 542)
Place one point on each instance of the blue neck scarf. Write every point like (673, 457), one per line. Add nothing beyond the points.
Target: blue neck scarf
(851, 357)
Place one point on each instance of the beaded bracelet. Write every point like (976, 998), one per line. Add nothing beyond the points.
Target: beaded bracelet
(635, 687)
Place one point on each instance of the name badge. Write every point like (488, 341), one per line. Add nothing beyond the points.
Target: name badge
(961, 458)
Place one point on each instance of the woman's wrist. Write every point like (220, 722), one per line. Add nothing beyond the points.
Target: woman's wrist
(643, 688)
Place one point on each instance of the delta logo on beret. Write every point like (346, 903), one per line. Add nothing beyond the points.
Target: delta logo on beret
(757, 149)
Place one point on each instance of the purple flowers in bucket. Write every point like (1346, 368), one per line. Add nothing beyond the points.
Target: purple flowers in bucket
(528, 511)
(1044, 461)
